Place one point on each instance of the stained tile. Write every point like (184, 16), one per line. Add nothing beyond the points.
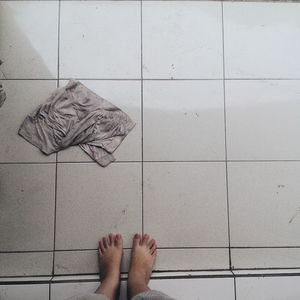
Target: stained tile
(263, 117)
(182, 39)
(26, 264)
(189, 117)
(192, 289)
(264, 204)
(260, 39)
(28, 50)
(100, 39)
(265, 288)
(24, 292)
(93, 201)
(23, 96)
(187, 201)
(127, 96)
(27, 207)
(265, 258)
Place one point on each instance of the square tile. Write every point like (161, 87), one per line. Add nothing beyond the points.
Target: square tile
(195, 194)
(27, 207)
(182, 39)
(266, 288)
(193, 289)
(28, 50)
(127, 96)
(100, 39)
(260, 39)
(26, 264)
(263, 117)
(93, 201)
(265, 258)
(23, 96)
(264, 204)
(24, 292)
(189, 116)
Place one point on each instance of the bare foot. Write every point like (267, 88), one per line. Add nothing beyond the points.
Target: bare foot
(142, 260)
(110, 255)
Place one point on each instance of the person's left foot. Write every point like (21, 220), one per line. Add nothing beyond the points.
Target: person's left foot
(110, 255)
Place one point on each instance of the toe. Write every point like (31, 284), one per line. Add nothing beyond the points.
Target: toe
(151, 243)
(105, 243)
(136, 240)
(145, 239)
(111, 239)
(153, 249)
(119, 241)
(101, 246)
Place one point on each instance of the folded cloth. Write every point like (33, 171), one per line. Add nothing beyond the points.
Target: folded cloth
(74, 115)
(2, 95)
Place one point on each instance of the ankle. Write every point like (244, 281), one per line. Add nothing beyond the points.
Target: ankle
(136, 287)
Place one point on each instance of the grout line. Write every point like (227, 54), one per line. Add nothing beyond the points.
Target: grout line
(56, 154)
(225, 141)
(152, 79)
(234, 286)
(49, 287)
(142, 112)
(148, 79)
(149, 161)
(159, 248)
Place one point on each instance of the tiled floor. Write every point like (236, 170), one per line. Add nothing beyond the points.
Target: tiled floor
(211, 169)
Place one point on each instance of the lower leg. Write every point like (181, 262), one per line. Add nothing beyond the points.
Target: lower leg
(142, 261)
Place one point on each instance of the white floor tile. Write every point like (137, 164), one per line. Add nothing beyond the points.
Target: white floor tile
(93, 201)
(263, 118)
(82, 262)
(182, 39)
(191, 259)
(267, 288)
(127, 96)
(100, 39)
(183, 120)
(60, 291)
(26, 264)
(23, 96)
(86, 262)
(262, 40)
(185, 204)
(194, 289)
(265, 258)
(29, 38)
(264, 204)
(24, 292)
(27, 207)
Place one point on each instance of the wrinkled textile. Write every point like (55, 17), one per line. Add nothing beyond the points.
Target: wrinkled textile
(2, 95)
(74, 115)
(148, 295)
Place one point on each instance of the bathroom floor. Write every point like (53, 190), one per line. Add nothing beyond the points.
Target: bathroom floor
(211, 169)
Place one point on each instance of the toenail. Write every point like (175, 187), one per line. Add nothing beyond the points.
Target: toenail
(118, 236)
(136, 236)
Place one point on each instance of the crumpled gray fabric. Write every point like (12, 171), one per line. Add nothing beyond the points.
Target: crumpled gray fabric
(2, 95)
(148, 295)
(74, 115)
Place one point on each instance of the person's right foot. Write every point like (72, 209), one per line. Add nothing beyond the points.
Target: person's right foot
(142, 260)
